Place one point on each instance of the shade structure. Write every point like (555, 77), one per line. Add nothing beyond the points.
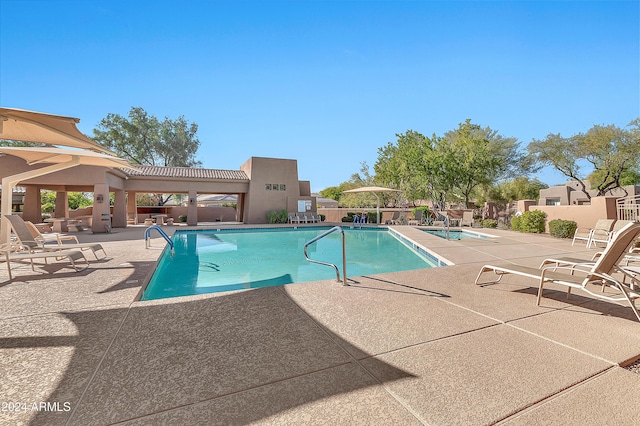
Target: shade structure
(374, 190)
(58, 159)
(30, 126)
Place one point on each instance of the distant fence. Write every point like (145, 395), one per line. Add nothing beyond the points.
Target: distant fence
(628, 208)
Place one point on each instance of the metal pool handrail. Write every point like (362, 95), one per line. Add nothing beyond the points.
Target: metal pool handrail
(147, 239)
(344, 253)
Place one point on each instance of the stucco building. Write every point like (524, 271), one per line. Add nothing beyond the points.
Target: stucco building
(260, 185)
(571, 194)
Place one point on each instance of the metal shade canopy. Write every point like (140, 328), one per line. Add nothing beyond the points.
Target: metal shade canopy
(58, 159)
(37, 127)
(374, 190)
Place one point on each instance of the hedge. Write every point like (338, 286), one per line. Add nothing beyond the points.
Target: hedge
(562, 228)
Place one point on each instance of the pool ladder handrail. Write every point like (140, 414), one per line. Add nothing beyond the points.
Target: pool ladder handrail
(147, 237)
(344, 253)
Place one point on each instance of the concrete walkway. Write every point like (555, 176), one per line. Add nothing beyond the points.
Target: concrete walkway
(416, 347)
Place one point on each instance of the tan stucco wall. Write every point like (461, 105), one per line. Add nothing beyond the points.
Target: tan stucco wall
(269, 171)
(585, 216)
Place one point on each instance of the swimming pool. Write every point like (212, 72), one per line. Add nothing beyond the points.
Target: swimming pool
(213, 261)
(454, 234)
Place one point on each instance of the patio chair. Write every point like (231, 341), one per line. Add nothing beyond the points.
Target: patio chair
(417, 218)
(25, 239)
(394, 217)
(602, 227)
(47, 238)
(584, 275)
(467, 219)
(293, 217)
(11, 254)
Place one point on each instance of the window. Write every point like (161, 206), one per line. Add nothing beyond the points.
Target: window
(553, 201)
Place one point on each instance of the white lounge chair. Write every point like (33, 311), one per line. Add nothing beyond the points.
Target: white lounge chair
(10, 255)
(583, 276)
(602, 227)
(25, 239)
(293, 217)
(467, 219)
(49, 237)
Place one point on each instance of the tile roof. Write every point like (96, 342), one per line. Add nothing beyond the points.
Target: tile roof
(186, 172)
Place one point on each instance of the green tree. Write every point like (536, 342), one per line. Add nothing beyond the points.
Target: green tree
(612, 153)
(450, 167)
(79, 200)
(481, 156)
(520, 188)
(143, 139)
(332, 192)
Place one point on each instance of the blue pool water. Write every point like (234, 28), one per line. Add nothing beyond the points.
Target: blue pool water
(454, 234)
(212, 261)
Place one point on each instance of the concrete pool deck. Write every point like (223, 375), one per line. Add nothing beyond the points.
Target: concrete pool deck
(415, 347)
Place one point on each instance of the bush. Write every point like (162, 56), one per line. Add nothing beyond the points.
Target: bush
(532, 221)
(322, 217)
(372, 217)
(515, 223)
(278, 216)
(425, 211)
(489, 223)
(182, 218)
(562, 228)
(348, 217)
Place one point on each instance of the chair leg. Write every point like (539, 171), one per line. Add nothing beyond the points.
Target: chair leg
(540, 291)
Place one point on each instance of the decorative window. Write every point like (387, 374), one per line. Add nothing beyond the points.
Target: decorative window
(283, 187)
(268, 187)
(274, 186)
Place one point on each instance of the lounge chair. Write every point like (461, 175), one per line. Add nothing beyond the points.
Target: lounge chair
(394, 217)
(402, 220)
(293, 217)
(467, 219)
(417, 218)
(584, 275)
(47, 238)
(10, 255)
(25, 239)
(602, 227)
(617, 226)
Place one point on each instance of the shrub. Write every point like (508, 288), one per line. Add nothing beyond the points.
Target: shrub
(322, 217)
(372, 217)
(182, 218)
(489, 223)
(532, 221)
(278, 216)
(425, 211)
(348, 217)
(562, 228)
(515, 223)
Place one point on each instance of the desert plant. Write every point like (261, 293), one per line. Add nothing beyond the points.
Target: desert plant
(278, 216)
(489, 223)
(515, 223)
(562, 228)
(182, 218)
(532, 221)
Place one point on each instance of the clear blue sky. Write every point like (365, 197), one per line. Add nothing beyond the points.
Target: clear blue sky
(326, 82)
